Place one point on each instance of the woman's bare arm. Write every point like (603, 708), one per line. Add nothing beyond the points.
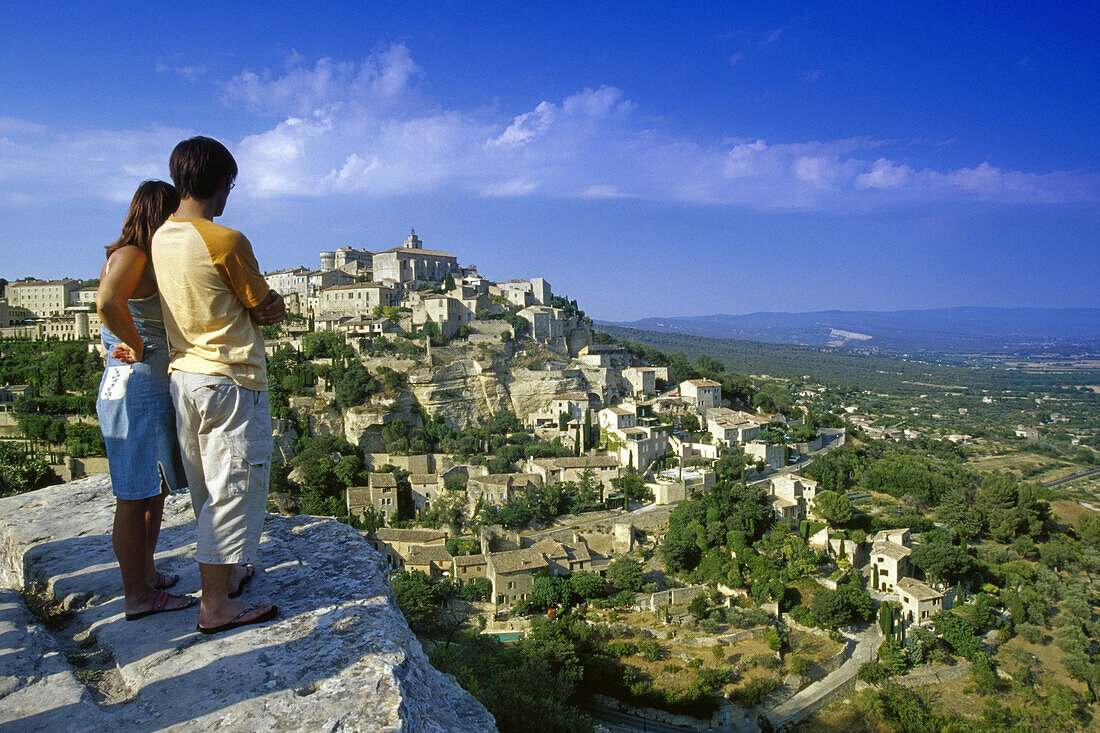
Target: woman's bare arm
(120, 278)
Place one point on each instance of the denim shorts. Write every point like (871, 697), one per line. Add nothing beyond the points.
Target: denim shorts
(137, 418)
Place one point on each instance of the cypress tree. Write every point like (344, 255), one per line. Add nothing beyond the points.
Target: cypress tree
(886, 619)
(874, 577)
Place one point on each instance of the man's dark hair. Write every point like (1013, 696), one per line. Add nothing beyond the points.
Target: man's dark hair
(200, 166)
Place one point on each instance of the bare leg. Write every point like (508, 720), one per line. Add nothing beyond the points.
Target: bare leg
(129, 542)
(153, 514)
(217, 608)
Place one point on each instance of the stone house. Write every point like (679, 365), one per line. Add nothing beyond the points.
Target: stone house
(890, 562)
(791, 495)
(444, 311)
(433, 561)
(397, 544)
(356, 298)
(496, 488)
(772, 454)
(512, 573)
(565, 558)
(702, 394)
(733, 427)
(424, 488)
(919, 602)
(604, 468)
(616, 418)
(380, 493)
(547, 324)
(43, 298)
(643, 380)
(9, 393)
(604, 356)
(469, 567)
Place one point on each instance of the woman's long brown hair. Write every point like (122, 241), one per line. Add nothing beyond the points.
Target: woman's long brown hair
(153, 203)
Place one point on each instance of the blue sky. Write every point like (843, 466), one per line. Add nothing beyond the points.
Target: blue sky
(647, 159)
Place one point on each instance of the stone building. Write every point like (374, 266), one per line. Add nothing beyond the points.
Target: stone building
(42, 298)
(701, 393)
(919, 602)
(412, 265)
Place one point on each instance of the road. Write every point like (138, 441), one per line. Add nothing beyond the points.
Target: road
(622, 722)
(1067, 479)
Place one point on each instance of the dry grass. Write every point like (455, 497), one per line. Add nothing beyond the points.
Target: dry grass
(1034, 467)
(842, 716)
(1067, 512)
(1048, 655)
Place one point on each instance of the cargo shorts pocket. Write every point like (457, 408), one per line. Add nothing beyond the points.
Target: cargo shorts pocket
(249, 465)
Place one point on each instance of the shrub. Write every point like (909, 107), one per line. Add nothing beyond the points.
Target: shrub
(798, 665)
(775, 638)
(622, 649)
(873, 673)
(651, 650)
(1031, 633)
(695, 663)
(756, 691)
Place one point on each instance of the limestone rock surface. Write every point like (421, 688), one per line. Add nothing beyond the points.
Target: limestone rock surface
(339, 656)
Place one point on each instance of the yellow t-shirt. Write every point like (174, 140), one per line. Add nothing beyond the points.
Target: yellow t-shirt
(208, 279)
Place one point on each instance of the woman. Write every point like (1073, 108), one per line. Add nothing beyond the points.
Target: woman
(134, 406)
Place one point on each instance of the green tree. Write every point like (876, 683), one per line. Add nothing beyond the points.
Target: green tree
(689, 422)
(943, 561)
(416, 599)
(958, 512)
(354, 386)
(587, 585)
(624, 573)
(698, 606)
(834, 508)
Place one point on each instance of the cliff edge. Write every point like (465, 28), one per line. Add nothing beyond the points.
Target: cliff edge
(339, 657)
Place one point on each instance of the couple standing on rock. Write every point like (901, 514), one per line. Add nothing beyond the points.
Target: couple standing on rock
(185, 387)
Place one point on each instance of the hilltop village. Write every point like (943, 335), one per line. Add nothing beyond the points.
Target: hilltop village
(715, 549)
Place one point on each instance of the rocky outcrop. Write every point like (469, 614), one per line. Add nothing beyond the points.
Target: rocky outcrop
(338, 657)
(533, 390)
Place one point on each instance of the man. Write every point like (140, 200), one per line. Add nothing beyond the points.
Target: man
(214, 301)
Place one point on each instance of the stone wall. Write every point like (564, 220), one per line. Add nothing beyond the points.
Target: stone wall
(670, 597)
(339, 656)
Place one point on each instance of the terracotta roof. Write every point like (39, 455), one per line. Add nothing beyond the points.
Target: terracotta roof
(703, 383)
(918, 590)
(469, 560)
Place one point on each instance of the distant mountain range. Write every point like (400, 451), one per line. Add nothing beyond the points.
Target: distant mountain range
(1024, 331)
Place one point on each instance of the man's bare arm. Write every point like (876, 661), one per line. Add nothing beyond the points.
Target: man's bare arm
(270, 311)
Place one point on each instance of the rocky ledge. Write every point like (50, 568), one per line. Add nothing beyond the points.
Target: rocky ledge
(339, 657)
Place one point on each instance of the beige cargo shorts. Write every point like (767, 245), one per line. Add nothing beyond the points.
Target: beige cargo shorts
(225, 439)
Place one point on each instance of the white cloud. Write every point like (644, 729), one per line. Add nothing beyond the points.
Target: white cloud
(380, 79)
(885, 174)
(363, 128)
(38, 165)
